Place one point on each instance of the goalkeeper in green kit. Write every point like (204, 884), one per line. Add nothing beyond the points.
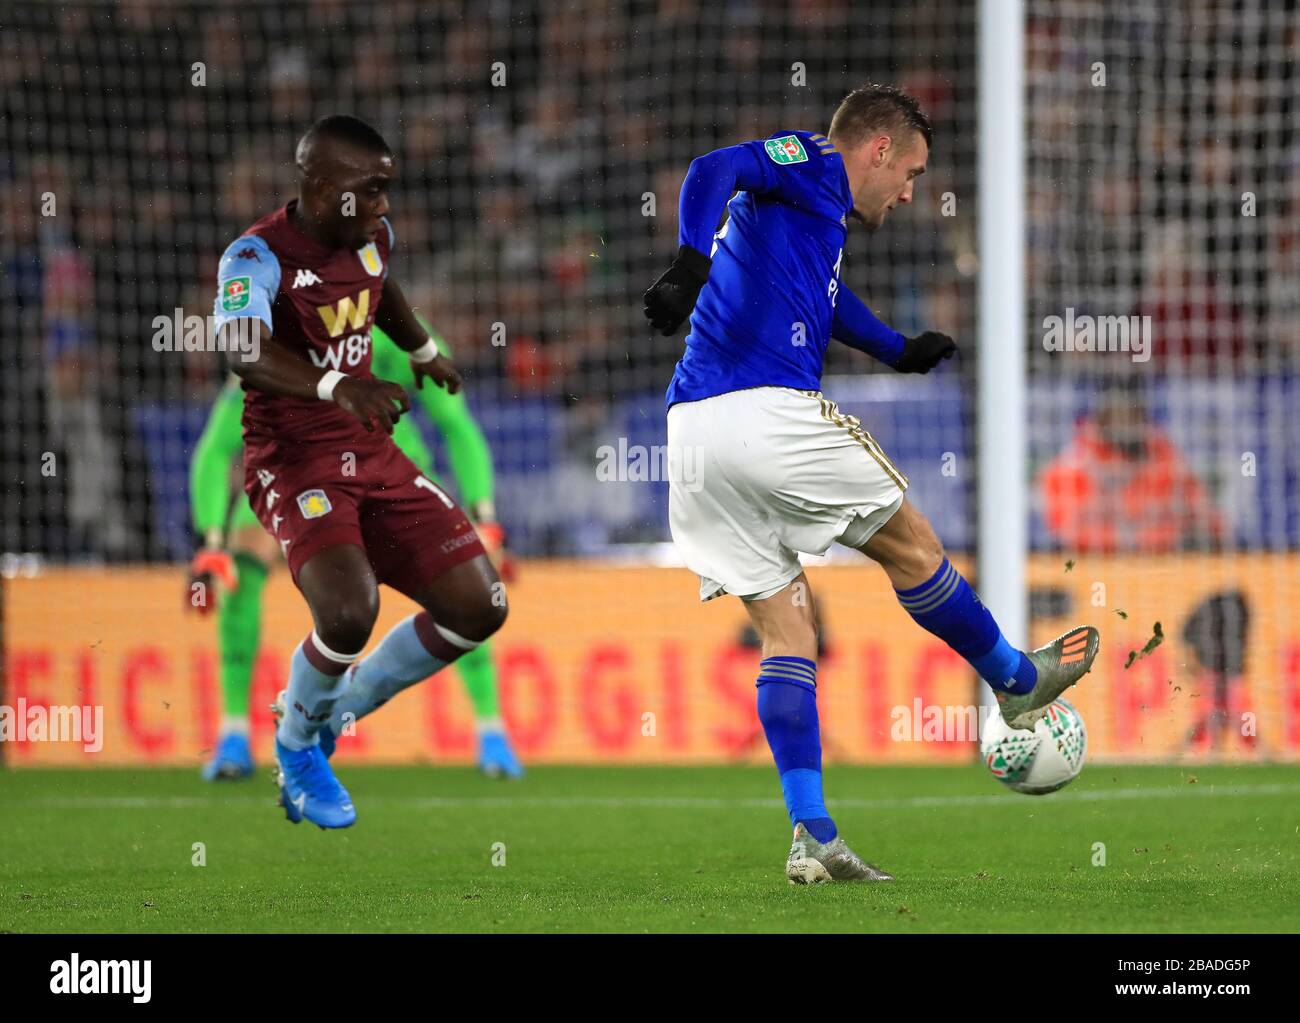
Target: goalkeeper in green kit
(237, 553)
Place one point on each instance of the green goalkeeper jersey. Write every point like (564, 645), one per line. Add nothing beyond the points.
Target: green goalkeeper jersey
(467, 450)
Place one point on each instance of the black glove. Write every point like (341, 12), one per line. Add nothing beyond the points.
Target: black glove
(671, 298)
(921, 354)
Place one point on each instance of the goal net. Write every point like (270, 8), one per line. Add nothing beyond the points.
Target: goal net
(540, 150)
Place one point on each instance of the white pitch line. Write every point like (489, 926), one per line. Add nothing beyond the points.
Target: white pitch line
(662, 802)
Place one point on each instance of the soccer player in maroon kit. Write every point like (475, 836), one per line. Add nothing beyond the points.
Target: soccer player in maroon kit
(349, 509)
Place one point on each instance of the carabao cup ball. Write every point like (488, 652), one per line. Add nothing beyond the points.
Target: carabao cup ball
(1037, 762)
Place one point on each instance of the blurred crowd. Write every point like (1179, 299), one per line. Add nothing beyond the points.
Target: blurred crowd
(1164, 148)
(540, 148)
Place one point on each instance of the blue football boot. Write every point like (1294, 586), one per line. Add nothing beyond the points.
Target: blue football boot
(308, 789)
(233, 759)
(496, 757)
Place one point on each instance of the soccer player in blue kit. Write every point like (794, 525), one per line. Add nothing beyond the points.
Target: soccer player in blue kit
(781, 469)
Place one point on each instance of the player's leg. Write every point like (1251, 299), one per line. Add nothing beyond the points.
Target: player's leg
(720, 451)
(477, 671)
(496, 755)
(471, 466)
(230, 535)
(421, 544)
(787, 700)
(239, 627)
(342, 592)
(462, 607)
(787, 709)
(941, 601)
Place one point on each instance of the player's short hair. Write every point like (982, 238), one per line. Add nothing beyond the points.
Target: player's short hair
(343, 128)
(878, 110)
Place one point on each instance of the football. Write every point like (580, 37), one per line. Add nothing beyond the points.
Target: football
(1037, 762)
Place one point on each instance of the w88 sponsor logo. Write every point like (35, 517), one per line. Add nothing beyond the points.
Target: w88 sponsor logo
(349, 351)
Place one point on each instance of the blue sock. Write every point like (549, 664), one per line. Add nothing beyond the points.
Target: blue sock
(787, 707)
(946, 606)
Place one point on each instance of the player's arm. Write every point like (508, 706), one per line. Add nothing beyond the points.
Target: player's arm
(248, 279)
(857, 326)
(396, 319)
(711, 181)
(471, 464)
(467, 447)
(217, 448)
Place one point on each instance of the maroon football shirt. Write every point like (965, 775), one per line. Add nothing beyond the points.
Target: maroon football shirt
(322, 304)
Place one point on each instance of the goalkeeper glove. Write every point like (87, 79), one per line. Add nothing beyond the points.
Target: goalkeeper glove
(671, 298)
(494, 542)
(921, 354)
(493, 536)
(210, 567)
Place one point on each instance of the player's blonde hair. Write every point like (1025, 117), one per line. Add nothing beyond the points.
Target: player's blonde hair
(878, 110)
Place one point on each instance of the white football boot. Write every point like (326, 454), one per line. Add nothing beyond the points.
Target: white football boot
(811, 862)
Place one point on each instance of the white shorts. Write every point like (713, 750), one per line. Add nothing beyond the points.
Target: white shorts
(758, 476)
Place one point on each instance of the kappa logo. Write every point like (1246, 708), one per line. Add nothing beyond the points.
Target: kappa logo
(265, 477)
(313, 504)
(305, 279)
(785, 150)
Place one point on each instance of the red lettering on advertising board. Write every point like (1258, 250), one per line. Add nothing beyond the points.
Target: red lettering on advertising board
(203, 680)
(526, 679)
(1291, 694)
(23, 667)
(734, 672)
(876, 720)
(444, 736)
(270, 674)
(141, 667)
(671, 722)
(606, 698)
(1138, 693)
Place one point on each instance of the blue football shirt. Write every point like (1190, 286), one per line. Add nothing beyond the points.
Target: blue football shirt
(764, 318)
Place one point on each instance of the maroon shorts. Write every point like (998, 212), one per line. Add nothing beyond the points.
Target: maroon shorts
(310, 497)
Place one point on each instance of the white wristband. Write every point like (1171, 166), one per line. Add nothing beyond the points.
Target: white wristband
(427, 352)
(326, 384)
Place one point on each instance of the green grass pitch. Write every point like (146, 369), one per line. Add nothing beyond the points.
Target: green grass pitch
(651, 849)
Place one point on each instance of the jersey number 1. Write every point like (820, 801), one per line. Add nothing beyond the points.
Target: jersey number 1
(420, 481)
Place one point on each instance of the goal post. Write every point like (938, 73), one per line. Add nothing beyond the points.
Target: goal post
(1002, 484)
